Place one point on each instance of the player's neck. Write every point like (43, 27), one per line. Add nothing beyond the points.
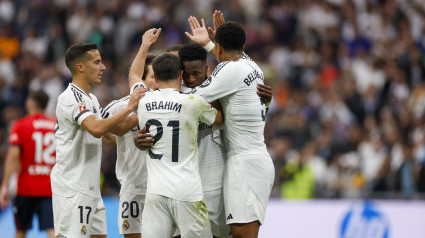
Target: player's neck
(170, 84)
(33, 111)
(82, 84)
(231, 55)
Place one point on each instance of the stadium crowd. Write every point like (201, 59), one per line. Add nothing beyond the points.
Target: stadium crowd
(348, 79)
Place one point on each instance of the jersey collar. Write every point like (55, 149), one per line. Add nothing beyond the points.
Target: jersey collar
(79, 89)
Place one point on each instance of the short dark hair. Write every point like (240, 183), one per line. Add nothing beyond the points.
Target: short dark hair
(76, 52)
(231, 36)
(192, 52)
(167, 67)
(174, 48)
(40, 98)
(149, 60)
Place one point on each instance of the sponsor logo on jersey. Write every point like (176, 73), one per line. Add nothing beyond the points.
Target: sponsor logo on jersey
(125, 225)
(83, 230)
(229, 217)
(206, 82)
(82, 106)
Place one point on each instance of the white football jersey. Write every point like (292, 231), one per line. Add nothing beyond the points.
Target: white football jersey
(130, 168)
(234, 84)
(172, 118)
(212, 156)
(78, 153)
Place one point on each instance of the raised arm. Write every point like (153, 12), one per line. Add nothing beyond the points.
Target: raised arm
(99, 127)
(136, 70)
(218, 20)
(200, 33)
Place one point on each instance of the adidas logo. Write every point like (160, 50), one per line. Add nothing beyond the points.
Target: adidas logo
(229, 216)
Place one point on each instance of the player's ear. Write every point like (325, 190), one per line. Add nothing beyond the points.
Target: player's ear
(243, 48)
(219, 49)
(79, 67)
(181, 75)
(207, 71)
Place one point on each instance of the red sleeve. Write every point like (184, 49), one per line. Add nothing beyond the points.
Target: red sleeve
(15, 137)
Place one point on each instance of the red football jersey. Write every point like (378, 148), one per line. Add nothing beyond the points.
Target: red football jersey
(35, 135)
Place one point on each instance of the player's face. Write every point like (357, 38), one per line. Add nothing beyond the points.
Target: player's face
(150, 80)
(94, 68)
(194, 73)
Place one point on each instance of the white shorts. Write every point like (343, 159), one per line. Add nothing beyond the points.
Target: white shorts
(248, 181)
(130, 213)
(215, 204)
(78, 216)
(162, 216)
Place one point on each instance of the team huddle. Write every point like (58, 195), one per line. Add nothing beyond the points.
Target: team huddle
(191, 158)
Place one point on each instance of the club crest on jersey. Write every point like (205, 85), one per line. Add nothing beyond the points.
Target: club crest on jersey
(82, 106)
(125, 225)
(206, 82)
(83, 230)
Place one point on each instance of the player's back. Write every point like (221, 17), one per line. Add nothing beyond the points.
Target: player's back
(34, 134)
(234, 84)
(173, 160)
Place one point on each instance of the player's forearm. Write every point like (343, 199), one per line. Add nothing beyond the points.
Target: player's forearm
(108, 138)
(219, 118)
(137, 67)
(213, 52)
(125, 126)
(98, 128)
(12, 165)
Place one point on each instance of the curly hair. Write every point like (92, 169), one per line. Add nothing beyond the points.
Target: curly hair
(192, 52)
(231, 36)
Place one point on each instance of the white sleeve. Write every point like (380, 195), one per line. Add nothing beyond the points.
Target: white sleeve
(114, 107)
(208, 112)
(79, 111)
(136, 85)
(220, 84)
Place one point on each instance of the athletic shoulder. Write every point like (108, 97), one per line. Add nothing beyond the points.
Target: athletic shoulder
(116, 104)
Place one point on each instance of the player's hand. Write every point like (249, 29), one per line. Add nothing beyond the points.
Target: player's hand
(265, 92)
(218, 20)
(137, 94)
(151, 36)
(4, 196)
(199, 31)
(142, 140)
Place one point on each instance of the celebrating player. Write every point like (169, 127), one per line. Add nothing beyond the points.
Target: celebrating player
(32, 155)
(249, 174)
(131, 164)
(77, 205)
(174, 195)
